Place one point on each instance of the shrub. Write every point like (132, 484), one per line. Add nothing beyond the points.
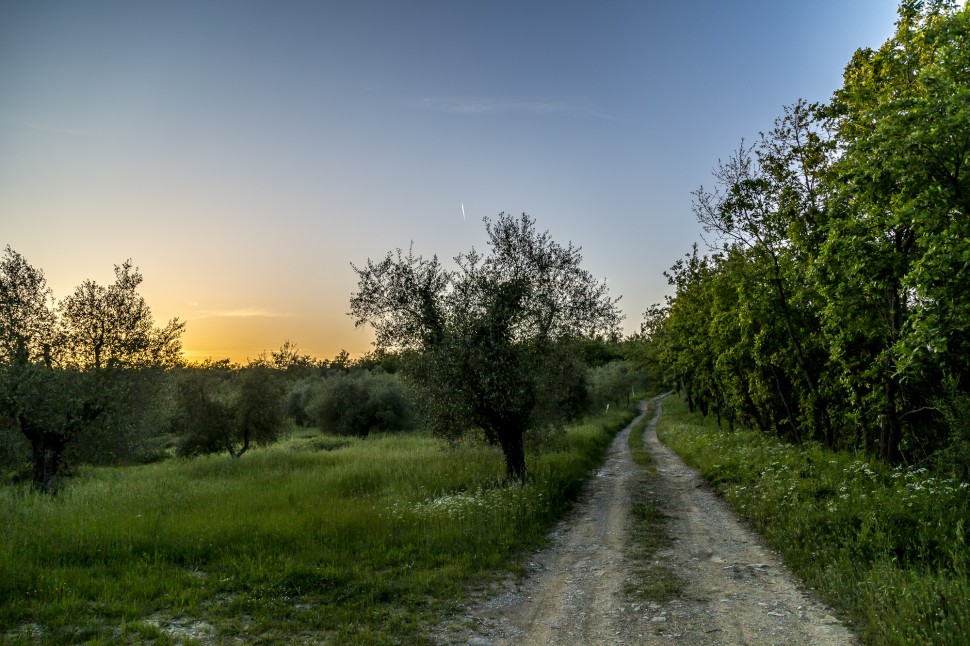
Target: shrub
(297, 400)
(14, 451)
(954, 458)
(360, 402)
(222, 408)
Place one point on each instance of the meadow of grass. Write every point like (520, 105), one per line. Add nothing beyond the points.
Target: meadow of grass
(886, 546)
(317, 539)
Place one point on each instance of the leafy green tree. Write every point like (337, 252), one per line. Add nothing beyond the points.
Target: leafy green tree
(297, 400)
(222, 407)
(55, 383)
(204, 408)
(899, 315)
(259, 409)
(45, 404)
(112, 325)
(51, 408)
(836, 302)
(768, 210)
(27, 319)
(478, 340)
(289, 359)
(644, 349)
(611, 383)
(685, 339)
(388, 362)
(341, 362)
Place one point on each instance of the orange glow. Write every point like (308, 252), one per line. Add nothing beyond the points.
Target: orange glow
(244, 339)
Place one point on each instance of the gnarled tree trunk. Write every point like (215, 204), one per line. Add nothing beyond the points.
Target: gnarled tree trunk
(513, 448)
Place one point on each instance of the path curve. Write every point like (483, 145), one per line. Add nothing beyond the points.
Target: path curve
(737, 591)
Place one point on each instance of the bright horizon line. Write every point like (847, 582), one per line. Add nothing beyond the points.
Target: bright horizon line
(193, 356)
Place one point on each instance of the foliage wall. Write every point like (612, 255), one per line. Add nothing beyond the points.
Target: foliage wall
(834, 303)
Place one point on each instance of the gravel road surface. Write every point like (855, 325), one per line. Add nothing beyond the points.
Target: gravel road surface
(736, 590)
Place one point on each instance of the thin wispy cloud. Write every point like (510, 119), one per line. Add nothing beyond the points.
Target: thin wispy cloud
(484, 106)
(28, 124)
(241, 312)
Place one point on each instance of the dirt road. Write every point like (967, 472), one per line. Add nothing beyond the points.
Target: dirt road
(736, 591)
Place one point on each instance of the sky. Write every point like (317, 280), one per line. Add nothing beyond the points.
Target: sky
(244, 154)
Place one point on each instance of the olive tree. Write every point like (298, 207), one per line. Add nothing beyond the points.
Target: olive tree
(223, 407)
(359, 402)
(479, 340)
(112, 325)
(62, 368)
(27, 319)
(33, 398)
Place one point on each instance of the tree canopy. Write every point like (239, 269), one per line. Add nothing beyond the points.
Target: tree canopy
(483, 341)
(58, 364)
(113, 326)
(223, 407)
(835, 302)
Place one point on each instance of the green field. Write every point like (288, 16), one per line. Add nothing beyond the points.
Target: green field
(886, 546)
(312, 540)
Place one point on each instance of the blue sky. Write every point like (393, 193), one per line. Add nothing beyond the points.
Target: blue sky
(244, 153)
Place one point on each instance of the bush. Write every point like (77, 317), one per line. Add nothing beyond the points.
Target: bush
(131, 429)
(259, 409)
(222, 408)
(359, 402)
(14, 451)
(954, 458)
(297, 400)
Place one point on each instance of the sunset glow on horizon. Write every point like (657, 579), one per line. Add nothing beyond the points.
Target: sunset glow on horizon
(243, 154)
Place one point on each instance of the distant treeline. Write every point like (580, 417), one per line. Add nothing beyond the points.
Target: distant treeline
(834, 305)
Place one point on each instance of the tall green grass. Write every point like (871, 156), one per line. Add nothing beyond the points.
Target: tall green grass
(887, 546)
(367, 543)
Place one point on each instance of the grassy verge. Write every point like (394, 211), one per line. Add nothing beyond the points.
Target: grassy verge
(635, 441)
(886, 546)
(317, 540)
(649, 580)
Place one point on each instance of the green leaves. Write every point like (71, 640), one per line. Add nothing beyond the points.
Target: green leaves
(27, 322)
(112, 325)
(837, 298)
(222, 407)
(61, 368)
(480, 339)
